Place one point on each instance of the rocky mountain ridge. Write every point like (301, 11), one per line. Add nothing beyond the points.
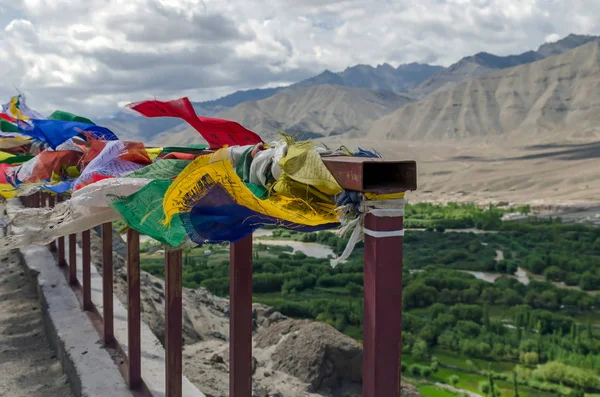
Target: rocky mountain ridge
(556, 95)
(483, 63)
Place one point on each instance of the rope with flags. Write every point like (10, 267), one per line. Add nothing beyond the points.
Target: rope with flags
(175, 195)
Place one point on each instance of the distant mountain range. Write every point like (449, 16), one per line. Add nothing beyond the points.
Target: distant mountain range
(383, 77)
(316, 111)
(483, 63)
(378, 100)
(556, 95)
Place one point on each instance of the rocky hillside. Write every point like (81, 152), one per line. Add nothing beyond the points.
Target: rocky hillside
(483, 63)
(316, 111)
(382, 77)
(558, 94)
(292, 358)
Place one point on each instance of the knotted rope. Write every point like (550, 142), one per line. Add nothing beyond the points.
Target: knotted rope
(378, 205)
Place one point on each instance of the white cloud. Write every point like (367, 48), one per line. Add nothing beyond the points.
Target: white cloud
(552, 38)
(88, 56)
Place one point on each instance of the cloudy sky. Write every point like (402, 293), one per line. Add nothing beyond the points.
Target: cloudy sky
(89, 56)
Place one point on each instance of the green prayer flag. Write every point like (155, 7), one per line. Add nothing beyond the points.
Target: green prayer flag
(161, 169)
(17, 159)
(6, 126)
(66, 116)
(143, 211)
(185, 149)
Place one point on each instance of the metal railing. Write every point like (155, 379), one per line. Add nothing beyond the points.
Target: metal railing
(382, 290)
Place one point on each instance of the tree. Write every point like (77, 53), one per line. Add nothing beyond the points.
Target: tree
(486, 317)
(577, 393)
(453, 380)
(549, 300)
(419, 349)
(470, 295)
(515, 384)
(530, 358)
(553, 273)
(415, 370)
(490, 294)
(354, 289)
(426, 372)
(417, 295)
(484, 387)
(494, 392)
(535, 263)
(589, 281)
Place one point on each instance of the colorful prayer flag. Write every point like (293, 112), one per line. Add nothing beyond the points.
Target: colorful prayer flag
(216, 132)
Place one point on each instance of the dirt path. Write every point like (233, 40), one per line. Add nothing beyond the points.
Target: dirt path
(28, 365)
(456, 390)
(499, 255)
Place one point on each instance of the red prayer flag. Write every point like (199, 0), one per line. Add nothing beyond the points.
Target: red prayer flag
(180, 156)
(7, 117)
(49, 162)
(93, 179)
(3, 168)
(216, 132)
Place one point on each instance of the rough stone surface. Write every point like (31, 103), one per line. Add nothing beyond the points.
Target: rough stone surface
(29, 366)
(313, 352)
(409, 391)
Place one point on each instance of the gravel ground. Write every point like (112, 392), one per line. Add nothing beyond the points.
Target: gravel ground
(28, 365)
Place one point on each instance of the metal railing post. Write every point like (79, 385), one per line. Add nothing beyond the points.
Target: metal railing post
(240, 318)
(73, 258)
(107, 283)
(133, 309)
(173, 323)
(382, 322)
(86, 270)
(61, 244)
(51, 203)
(382, 319)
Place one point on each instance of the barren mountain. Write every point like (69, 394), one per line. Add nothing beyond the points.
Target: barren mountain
(316, 111)
(559, 94)
(382, 77)
(483, 63)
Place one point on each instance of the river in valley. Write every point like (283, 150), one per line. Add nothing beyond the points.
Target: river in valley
(314, 250)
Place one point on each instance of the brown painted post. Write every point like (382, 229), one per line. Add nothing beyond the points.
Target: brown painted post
(86, 269)
(107, 283)
(133, 309)
(51, 201)
(73, 258)
(382, 323)
(240, 318)
(173, 322)
(61, 244)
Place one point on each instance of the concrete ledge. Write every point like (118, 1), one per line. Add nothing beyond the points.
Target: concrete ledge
(153, 353)
(89, 367)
